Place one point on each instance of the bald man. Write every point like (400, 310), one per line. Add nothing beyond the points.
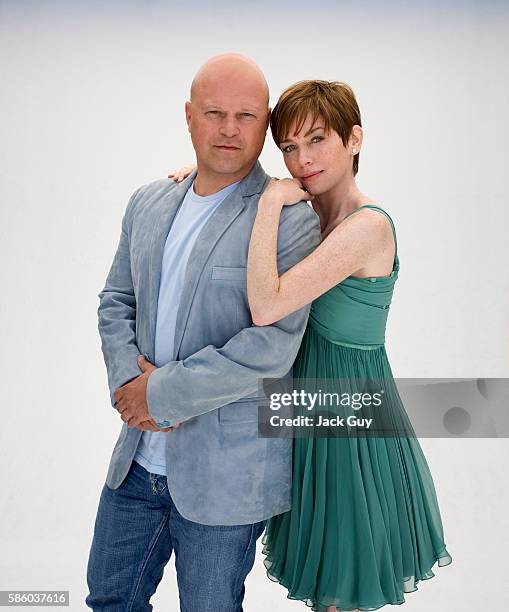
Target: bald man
(189, 473)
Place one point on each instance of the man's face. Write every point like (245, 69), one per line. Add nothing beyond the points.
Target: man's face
(227, 119)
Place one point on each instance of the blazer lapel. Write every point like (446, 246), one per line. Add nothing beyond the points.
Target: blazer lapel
(163, 219)
(212, 231)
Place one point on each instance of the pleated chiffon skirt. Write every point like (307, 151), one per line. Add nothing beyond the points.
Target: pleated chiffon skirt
(364, 527)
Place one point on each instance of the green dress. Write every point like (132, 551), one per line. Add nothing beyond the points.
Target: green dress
(365, 526)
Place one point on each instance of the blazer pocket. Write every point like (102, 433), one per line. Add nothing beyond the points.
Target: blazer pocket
(226, 273)
(244, 410)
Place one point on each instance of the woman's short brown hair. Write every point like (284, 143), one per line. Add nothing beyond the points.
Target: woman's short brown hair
(332, 101)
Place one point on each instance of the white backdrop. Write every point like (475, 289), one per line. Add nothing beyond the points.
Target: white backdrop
(92, 106)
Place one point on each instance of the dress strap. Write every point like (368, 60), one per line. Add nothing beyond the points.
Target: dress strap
(390, 220)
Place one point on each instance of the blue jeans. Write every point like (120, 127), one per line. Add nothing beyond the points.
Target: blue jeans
(137, 528)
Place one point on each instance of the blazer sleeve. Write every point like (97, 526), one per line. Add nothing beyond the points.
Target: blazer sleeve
(117, 314)
(213, 377)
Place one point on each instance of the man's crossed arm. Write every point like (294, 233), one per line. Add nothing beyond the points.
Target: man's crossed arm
(151, 398)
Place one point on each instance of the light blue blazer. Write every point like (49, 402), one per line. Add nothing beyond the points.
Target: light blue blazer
(220, 472)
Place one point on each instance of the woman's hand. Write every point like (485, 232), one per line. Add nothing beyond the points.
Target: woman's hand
(179, 175)
(286, 191)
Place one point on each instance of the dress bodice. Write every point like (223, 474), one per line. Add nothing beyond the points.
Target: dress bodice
(354, 312)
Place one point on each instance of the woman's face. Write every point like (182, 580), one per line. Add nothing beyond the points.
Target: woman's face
(319, 159)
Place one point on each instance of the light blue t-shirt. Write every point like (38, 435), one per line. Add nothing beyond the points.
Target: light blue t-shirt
(192, 215)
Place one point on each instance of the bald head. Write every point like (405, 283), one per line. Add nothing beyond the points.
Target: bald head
(229, 69)
(227, 117)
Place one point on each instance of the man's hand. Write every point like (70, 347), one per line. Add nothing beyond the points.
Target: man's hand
(131, 400)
